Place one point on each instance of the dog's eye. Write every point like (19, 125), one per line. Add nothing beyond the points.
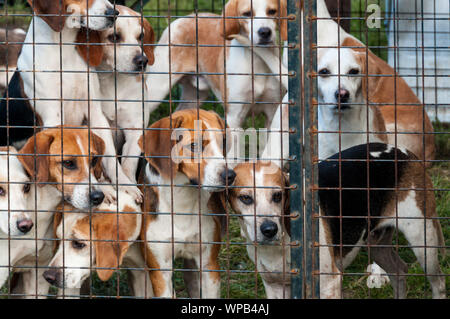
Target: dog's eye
(277, 197)
(114, 37)
(324, 71)
(69, 164)
(94, 161)
(246, 199)
(141, 37)
(78, 244)
(2, 191)
(194, 147)
(353, 71)
(26, 188)
(272, 12)
(247, 14)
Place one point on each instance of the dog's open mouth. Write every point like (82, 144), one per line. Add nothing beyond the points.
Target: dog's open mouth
(265, 42)
(342, 107)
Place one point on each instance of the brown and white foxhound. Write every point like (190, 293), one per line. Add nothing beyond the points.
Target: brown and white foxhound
(186, 165)
(55, 83)
(104, 241)
(233, 73)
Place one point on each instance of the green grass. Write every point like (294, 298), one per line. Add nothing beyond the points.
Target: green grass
(240, 281)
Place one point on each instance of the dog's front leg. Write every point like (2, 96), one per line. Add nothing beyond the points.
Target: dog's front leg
(111, 166)
(330, 284)
(130, 153)
(210, 273)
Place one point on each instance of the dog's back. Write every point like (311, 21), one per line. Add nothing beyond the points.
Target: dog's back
(355, 175)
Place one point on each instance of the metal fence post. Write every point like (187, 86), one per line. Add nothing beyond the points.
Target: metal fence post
(311, 256)
(295, 147)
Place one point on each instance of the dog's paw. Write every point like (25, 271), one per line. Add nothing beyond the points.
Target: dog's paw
(377, 278)
(110, 194)
(134, 192)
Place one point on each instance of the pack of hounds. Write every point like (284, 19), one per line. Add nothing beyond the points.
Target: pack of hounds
(69, 195)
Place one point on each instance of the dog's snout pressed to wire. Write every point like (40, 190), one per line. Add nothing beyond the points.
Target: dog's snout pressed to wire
(224, 149)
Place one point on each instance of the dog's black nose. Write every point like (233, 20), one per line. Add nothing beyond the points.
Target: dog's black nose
(25, 225)
(140, 61)
(111, 13)
(268, 228)
(342, 95)
(228, 176)
(97, 198)
(53, 277)
(264, 33)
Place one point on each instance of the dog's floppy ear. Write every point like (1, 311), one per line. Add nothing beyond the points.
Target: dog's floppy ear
(287, 205)
(283, 20)
(35, 156)
(158, 146)
(99, 146)
(51, 11)
(370, 74)
(89, 46)
(57, 218)
(111, 241)
(149, 38)
(217, 205)
(231, 24)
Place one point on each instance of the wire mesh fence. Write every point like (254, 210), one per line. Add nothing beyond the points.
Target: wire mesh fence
(224, 149)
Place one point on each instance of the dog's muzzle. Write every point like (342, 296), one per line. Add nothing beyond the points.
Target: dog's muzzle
(53, 277)
(269, 229)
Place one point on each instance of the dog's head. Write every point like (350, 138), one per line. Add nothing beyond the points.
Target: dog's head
(14, 195)
(127, 46)
(259, 20)
(343, 77)
(68, 158)
(188, 147)
(98, 241)
(261, 197)
(91, 14)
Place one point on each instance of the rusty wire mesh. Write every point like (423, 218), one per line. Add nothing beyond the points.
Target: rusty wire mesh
(225, 253)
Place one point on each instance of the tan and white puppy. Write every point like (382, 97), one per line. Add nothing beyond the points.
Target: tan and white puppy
(61, 162)
(102, 241)
(243, 85)
(126, 54)
(345, 117)
(186, 160)
(68, 89)
(260, 198)
(402, 111)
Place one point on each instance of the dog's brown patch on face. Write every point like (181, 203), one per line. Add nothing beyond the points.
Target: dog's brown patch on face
(159, 142)
(392, 92)
(111, 232)
(55, 149)
(238, 8)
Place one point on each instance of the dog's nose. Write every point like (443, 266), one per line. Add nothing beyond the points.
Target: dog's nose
(53, 277)
(342, 95)
(111, 13)
(264, 33)
(140, 61)
(25, 225)
(268, 228)
(97, 198)
(228, 176)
